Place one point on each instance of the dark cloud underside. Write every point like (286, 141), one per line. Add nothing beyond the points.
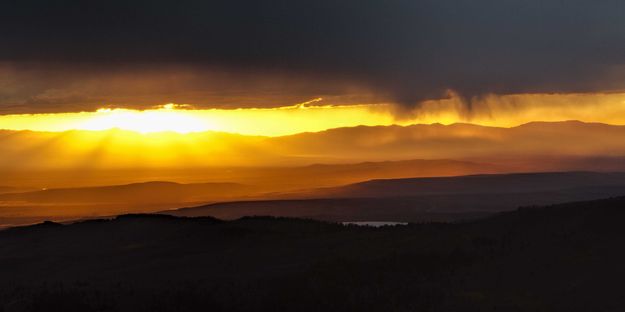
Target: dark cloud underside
(406, 50)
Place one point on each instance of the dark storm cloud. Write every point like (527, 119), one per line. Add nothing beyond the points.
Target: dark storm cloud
(406, 50)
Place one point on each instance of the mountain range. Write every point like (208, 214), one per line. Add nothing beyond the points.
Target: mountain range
(115, 149)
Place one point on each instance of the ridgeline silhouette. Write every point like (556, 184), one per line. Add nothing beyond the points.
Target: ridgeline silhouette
(565, 257)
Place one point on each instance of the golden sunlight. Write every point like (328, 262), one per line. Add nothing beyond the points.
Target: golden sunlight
(499, 111)
(178, 118)
(159, 120)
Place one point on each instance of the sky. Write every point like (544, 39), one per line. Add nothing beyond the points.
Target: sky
(74, 56)
(272, 92)
(315, 116)
(270, 71)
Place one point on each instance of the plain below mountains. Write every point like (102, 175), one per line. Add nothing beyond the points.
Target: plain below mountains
(23, 206)
(424, 199)
(399, 200)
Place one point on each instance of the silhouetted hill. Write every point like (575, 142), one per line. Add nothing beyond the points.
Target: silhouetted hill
(276, 178)
(147, 192)
(249, 183)
(561, 258)
(425, 199)
(88, 202)
(477, 184)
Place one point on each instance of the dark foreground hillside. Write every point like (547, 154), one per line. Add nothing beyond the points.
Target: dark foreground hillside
(560, 258)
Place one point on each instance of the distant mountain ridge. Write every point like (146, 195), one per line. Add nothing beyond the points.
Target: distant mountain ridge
(461, 140)
(341, 145)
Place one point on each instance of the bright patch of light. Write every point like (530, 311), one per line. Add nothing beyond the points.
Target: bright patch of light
(158, 120)
(498, 111)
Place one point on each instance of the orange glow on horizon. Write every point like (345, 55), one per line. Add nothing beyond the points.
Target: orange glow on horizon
(176, 118)
(498, 111)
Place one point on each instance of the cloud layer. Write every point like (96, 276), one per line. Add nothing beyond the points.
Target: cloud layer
(70, 55)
